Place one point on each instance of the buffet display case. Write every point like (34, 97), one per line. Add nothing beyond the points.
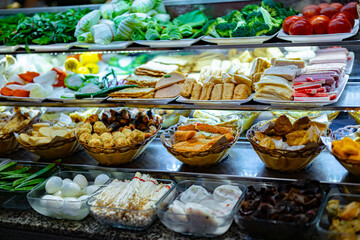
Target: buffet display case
(154, 116)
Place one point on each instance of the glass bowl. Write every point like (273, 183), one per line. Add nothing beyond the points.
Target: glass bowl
(118, 155)
(324, 223)
(72, 210)
(351, 166)
(258, 228)
(196, 158)
(125, 218)
(283, 160)
(193, 224)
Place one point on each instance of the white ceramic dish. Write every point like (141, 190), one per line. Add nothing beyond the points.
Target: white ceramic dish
(50, 47)
(73, 100)
(238, 40)
(215, 102)
(23, 99)
(168, 43)
(282, 103)
(111, 46)
(336, 37)
(350, 63)
(147, 101)
(4, 49)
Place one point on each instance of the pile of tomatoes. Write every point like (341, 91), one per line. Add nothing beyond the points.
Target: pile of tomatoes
(322, 19)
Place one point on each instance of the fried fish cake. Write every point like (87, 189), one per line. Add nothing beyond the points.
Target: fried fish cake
(241, 91)
(228, 91)
(216, 93)
(196, 92)
(267, 143)
(206, 91)
(283, 126)
(187, 87)
(297, 138)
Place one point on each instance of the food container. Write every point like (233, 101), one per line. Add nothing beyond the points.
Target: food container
(283, 160)
(59, 147)
(324, 222)
(196, 158)
(191, 224)
(353, 167)
(57, 209)
(270, 229)
(17, 199)
(115, 155)
(131, 219)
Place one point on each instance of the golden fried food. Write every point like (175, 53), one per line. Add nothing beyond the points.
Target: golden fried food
(187, 87)
(99, 127)
(216, 93)
(297, 138)
(206, 91)
(267, 143)
(283, 126)
(106, 137)
(85, 137)
(347, 149)
(267, 128)
(196, 92)
(228, 91)
(302, 123)
(188, 127)
(241, 91)
(213, 129)
(181, 136)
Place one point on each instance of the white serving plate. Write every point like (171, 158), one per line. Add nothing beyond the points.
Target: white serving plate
(336, 37)
(4, 48)
(282, 103)
(350, 63)
(215, 102)
(74, 100)
(238, 40)
(50, 47)
(110, 46)
(148, 101)
(23, 99)
(168, 43)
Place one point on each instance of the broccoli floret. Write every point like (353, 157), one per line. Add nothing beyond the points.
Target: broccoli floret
(291, 12)
(255, 16)
(234, 16)
(224, 29)
(260, 28)
(273, 23)
(210, 27)
(242, 31)
(273, 8)
(249, 9)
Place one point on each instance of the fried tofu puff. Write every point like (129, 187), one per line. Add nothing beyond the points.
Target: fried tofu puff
(85, 128)
(85, 137)
(109, 144)
(118, 135)
(99, 127)
(122, 142)
(95, 142)
(106, 137)
(137, 136)
(126, 132)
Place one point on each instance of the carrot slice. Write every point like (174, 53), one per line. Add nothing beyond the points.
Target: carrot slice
(6, 91)
(21, 93)
(61, 75)
(13, 83)
(28, 76)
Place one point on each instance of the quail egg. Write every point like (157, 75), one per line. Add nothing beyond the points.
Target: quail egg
(53, 185)
(70, 189)
(80, 180)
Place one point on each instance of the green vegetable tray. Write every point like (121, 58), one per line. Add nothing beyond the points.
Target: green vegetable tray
(17, 199)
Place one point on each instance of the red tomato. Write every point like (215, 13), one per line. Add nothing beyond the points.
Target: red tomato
(319, 24)
(323, 5)
(309, 12)
(337, 6)
(346, 15)
(301, 27)
(351, 8)
(313, 6)
(288, 21)
(339, 25)
(329, 12)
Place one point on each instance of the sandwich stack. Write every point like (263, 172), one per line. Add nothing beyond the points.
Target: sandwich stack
(276, 82)
(322, 77)
(223, 80)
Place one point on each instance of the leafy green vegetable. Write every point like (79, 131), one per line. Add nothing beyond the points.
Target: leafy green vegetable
(112, 10)
(125, 26)
(210, 27)
(137, 34)
(85, 38)
(41, 28)
(193, 19)
(8, 165)
(152, 34)
(186, 30)
(30, 182)
(249, 9)
(173, 32)
(103, 93)
(22, 170)
(143, 6)
(154, 25)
